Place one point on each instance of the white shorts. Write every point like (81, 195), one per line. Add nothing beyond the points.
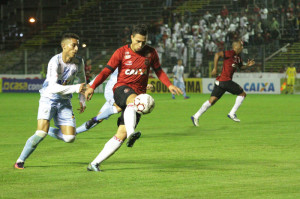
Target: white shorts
(109, 94)
(60, 110)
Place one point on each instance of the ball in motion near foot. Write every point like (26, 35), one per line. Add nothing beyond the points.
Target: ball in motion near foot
(144, 103)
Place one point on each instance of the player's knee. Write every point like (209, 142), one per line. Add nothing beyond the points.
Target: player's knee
(243, 94)
(41, 133)
(213, 100)
(69, 138)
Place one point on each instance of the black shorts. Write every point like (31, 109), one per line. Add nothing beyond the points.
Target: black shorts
(221, 87)
(120, 96)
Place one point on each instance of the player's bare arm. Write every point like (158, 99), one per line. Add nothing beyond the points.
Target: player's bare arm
(82, 108)
(216, 60)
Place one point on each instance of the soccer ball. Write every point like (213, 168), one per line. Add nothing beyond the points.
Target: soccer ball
(144, 103)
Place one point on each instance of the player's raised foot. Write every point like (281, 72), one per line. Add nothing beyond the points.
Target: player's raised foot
(93, 167)
(132, 138)
(233, 117)
(186, 97)
(19, 165)
(195, 121)
(173, 97)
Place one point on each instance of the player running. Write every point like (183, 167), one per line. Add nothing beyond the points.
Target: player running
(223, 83)
(133, 62)
(56, 94)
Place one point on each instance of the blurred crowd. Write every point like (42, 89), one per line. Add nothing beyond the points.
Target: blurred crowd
(191, 37)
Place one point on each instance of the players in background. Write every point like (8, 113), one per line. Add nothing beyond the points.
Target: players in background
(56, 94)
(133, 62)
(291, 77)
(223, 83)
(178, 71)
(109, 108)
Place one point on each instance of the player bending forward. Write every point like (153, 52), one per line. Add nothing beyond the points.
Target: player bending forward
(56, 94)
(223, 83)
(133, 62)
(109, 108)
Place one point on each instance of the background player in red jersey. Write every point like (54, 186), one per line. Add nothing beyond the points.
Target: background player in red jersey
(223, 83)
(133, 62)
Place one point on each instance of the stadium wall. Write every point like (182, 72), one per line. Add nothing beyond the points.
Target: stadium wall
(256, 83)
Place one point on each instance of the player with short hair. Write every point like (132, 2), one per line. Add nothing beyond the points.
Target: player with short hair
(133, 62)
(291, 77)
(178, 71)
(56, 94)
(223, 82)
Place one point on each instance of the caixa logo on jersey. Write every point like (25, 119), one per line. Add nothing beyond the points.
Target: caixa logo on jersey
(139, 71)
(259, 87)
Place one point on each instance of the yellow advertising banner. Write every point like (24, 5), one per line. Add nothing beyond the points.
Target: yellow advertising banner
(192, 85)
(0, 85)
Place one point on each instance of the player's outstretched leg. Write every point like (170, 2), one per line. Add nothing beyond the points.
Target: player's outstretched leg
(29, 147)
(130, 123)
(109, 149)
(87, 125)
(104, 114)
(56, 133)
(202, 110)
(238, 102)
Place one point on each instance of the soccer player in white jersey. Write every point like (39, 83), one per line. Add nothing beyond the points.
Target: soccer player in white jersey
(56, 94)
(178, 71)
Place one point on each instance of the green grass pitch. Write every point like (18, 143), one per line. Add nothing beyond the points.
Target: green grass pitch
(256, 158)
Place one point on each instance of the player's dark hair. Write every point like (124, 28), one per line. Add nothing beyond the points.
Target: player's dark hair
(69, 36)
(236, 41)
(140, 29)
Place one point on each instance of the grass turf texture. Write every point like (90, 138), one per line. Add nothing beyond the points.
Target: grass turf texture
(257, 158)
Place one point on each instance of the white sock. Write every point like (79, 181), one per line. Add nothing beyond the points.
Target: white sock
(203, 108)
(109, 149)
(115, 110)
(130, 119)
(238, 102)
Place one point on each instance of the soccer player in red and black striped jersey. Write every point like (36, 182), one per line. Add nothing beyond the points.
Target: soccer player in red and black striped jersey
(133, 62)
(223, 83)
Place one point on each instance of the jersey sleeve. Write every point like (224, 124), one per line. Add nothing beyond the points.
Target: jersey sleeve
(162, 76)
(53, 86)
(116, 59)
(155, 62)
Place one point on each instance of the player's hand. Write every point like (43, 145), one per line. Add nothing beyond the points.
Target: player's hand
(250, 62)
(150, 87)
(82, 108)
(82, 88)
(175, 90)
(214, 72)
(89, 94)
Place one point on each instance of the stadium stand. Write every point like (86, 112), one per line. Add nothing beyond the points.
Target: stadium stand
(105, 25)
